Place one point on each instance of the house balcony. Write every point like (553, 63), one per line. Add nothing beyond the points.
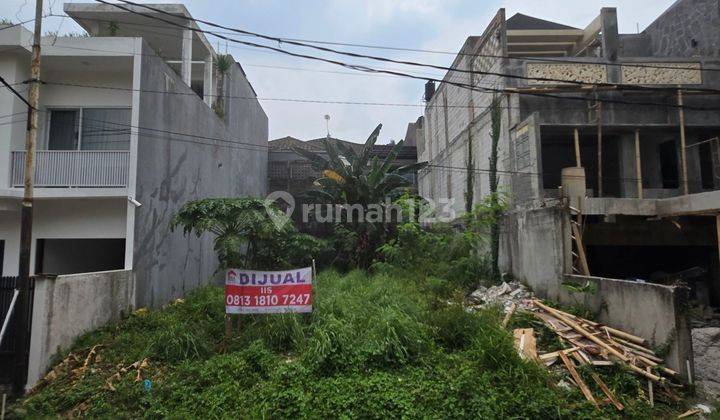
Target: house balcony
(73, 169)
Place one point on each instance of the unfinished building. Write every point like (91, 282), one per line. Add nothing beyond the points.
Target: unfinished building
(610, 159)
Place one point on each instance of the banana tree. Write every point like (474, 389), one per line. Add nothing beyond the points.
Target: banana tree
(359, 178)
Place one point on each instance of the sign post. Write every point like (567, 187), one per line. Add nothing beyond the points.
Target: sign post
(266, 292)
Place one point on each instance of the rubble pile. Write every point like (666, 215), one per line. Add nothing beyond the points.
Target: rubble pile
(508, 295)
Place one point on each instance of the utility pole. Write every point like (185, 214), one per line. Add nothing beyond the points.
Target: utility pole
(22, 343)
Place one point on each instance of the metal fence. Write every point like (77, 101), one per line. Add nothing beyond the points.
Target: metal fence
(74, 168)
(8, 345)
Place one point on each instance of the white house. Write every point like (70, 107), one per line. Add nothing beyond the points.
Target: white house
(127, 135)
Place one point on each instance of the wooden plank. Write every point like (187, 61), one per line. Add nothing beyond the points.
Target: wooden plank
(651, 395)
(607, 392)
(530, 344)
(555, 354)
(638, 165)
(633, 345)
(506, 320)
(519, 335)
(599, 154)
(581, 249)
(578, 380)
(690, 412)
(683, 151)
(576, 132)
(525, 343)
(625, 336)
(597, 341)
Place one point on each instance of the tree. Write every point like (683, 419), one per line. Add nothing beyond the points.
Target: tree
(224, 62)
(470, 176)
(359, 179)
(495, 120)
(243, 229)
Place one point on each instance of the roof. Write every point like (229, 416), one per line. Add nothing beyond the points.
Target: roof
(139, 21)
(318, 142)
(288, 143)
(405, 152)
(525, 22)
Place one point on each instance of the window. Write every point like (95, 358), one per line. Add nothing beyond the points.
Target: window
(89, 129)
(64, 129)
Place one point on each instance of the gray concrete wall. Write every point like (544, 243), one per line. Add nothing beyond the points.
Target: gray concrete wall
(174, 168)
(66, 307)
(672, 33)
(534, 245)
(652, 311)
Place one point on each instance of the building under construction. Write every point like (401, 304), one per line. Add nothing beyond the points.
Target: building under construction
(610, 159)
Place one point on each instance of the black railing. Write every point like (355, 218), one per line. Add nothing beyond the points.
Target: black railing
(9, 340)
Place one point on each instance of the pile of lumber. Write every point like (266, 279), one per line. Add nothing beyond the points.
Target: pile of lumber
(590, 343)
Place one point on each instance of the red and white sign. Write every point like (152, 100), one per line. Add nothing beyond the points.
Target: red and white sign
(264, 292)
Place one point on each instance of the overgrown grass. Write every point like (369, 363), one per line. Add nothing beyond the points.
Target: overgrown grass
(375, 347)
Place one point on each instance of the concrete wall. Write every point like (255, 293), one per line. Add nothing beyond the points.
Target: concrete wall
(457, 117)
(66, 307)
(534, 245)
(175, 168)
(672, 33)
(652, 311)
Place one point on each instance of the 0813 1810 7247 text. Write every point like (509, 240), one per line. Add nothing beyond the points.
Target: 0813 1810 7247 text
(252, 292)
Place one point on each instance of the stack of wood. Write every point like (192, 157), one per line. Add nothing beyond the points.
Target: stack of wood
(591, 343)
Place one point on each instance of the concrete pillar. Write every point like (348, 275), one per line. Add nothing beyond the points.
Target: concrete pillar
(628, 166)
(692, 156)
(186, 65)
(209, 85)
(610, 37)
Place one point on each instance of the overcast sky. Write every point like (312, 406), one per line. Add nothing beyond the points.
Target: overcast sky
(441, 25)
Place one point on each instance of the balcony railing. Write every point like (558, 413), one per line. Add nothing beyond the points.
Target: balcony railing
(74, 168)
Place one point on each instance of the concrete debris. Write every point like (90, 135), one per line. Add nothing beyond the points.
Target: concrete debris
(706, 349)
(503, 295)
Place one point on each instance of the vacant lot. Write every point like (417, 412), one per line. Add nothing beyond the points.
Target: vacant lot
(375, 347)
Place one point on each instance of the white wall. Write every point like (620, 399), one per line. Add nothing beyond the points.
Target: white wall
(12, 134)
(57, 219)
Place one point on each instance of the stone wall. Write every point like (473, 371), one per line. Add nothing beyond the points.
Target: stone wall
(706, 349)
(688, 28)
(65, 307)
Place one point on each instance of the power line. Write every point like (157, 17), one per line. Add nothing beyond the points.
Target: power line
(240, 145)
(357, 55)
(369, 69)
(17, 24)
(456, 53)
(563, 60)
(15, 92)
(318, 101)
(625, 102)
